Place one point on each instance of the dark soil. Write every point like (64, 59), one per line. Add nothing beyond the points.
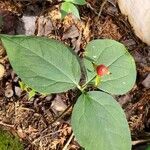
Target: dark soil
(43, 122)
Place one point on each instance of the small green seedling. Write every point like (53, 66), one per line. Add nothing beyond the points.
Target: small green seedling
(68, 6)
(24, 87)
(49, 66)
(9, 142)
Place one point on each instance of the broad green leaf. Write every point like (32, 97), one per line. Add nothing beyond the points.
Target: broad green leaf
(67, 8)
(45, 65)
(78, 2)
(115, 56)
(99, 123)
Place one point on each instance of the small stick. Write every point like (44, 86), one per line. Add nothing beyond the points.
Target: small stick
(65, 111)
(68, 142)
(7, 125)
(101, 8)
(140, 142)
(89, 6)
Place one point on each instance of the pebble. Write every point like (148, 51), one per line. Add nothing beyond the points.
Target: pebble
(18, 91)
(48, 98)
(29, 24)
(146, 82)
(58, 104)
(9, 93)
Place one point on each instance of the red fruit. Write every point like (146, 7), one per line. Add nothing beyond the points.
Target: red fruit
(102, 70)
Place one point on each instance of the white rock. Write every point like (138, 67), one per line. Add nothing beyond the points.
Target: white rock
(28, 25)
(138, 12)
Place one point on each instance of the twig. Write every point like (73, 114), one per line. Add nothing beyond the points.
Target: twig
(7, 125)
(140, 142)
(47, 135)
(68, 142)
(89, 6)
(65, 111)
(101, 8)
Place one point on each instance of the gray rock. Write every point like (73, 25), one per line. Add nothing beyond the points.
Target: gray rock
(146, 82)
(58, 104)
(18, 91)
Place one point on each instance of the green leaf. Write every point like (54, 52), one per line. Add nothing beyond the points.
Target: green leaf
(78, 2)
(45, 65)
(115, 56)
(67, 8)
(99, 123)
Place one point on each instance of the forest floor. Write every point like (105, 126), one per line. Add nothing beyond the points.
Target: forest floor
(43, 122)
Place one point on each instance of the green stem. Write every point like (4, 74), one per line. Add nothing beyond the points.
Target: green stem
(84, 86)
(97, 80)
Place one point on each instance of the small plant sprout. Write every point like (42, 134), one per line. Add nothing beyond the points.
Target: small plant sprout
(98, 121)
(24, 87)
(68, 6)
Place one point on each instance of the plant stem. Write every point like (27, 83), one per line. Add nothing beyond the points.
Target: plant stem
(88, 82)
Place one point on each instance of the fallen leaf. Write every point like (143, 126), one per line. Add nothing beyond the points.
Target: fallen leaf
(2, 71)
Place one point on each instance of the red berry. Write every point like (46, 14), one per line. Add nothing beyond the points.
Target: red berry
(102, 70)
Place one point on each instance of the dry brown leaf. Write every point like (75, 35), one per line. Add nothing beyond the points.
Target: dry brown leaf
(2, 71)
(72, 32)
(110, 30)
(87, 32)
(21, 133)
(31, 129)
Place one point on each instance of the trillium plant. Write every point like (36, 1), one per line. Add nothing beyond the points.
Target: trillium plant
(49, 66)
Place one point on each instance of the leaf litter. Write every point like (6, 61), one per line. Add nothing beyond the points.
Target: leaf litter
(37, 122)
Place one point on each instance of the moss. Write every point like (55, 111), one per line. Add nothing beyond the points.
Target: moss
(148, 147)
(9, 142)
